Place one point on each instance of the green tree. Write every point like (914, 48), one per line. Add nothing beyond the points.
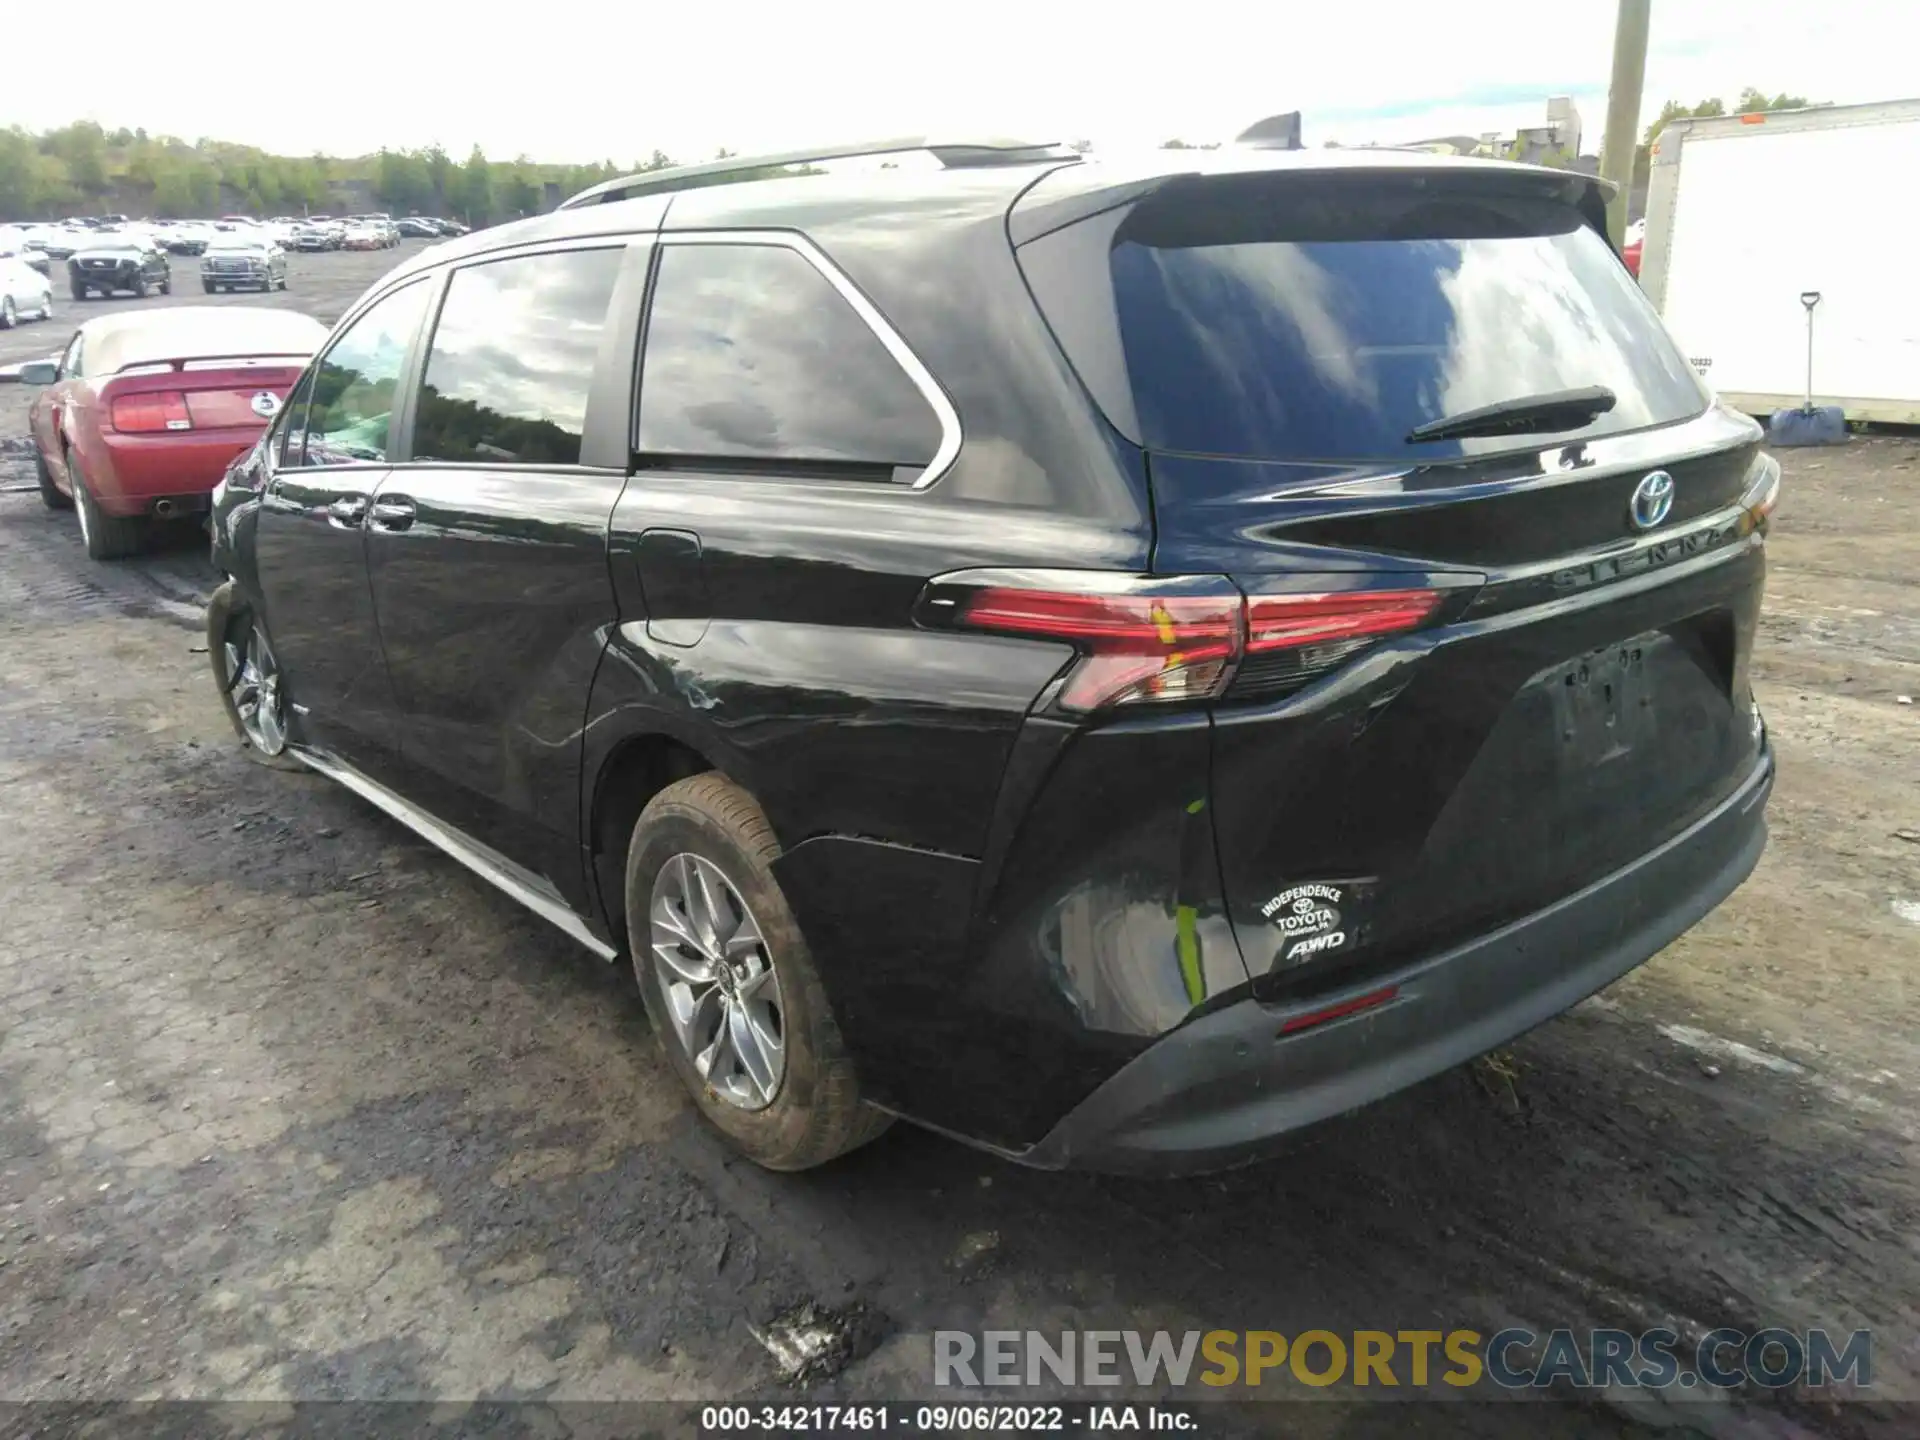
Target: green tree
(476, 188)
(204, 183)
(19, 175)
(520, 190)
(82, 148)
(1674, 110)
(143, 167)
(53, 183)
(173, 197)
(440, 170)
(402, 181)
(1751, 101)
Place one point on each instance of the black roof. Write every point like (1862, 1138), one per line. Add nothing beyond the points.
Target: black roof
(1065, 188)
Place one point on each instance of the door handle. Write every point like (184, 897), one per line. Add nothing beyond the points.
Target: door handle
(347, 512)
(392, 514)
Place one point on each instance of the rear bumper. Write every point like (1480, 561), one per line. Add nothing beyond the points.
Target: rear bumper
(182, 468)
(1224, 1089)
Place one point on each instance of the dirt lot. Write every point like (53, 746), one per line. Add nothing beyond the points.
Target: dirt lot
(292, 1107)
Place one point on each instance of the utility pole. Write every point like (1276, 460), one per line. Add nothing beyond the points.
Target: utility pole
(1630, 28)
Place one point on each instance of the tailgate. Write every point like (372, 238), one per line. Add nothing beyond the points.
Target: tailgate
(1501, 552)
(1455, 780)
(226, 396)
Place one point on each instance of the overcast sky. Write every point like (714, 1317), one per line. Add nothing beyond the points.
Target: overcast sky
(581, 80)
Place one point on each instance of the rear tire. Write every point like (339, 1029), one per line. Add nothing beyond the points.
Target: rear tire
(50, 496)
(232, 629)
(816, 1111)
(107, 537)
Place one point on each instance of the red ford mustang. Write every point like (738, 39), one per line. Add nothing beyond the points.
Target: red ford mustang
(144, 411)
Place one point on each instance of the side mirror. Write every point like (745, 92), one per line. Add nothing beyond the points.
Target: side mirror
(39, 372)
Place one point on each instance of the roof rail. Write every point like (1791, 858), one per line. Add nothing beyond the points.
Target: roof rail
(955, 155)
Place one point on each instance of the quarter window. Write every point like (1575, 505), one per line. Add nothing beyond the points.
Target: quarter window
(349, 394)
(512, 360)
(753, 355)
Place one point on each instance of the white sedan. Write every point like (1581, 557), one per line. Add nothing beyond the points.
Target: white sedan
(25, 294)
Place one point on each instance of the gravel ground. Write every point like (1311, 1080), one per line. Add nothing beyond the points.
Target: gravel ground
(292, 1107)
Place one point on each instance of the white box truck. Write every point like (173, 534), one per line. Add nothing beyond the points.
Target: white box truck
(1746, 213)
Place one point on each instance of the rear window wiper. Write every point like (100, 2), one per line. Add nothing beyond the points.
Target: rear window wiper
(1531, 414)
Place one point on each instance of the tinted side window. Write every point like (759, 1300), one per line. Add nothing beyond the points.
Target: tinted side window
(753, 354)
(512, 359)
(351, 391)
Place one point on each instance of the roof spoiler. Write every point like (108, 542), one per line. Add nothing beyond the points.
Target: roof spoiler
(1276, 132)
(954, 154)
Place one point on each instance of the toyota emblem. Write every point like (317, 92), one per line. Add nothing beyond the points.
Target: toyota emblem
(1652, 500)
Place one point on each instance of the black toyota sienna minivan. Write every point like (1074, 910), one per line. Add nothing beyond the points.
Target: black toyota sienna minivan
(1112, 662)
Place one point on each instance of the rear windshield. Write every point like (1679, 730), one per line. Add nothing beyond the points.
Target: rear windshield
(1326, 320)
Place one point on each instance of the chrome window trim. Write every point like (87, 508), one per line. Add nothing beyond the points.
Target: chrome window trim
(923, 379)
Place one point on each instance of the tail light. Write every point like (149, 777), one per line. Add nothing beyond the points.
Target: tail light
(1146, 639)
(1308, 1019)
(1762, 494)
(1294, 639)
(159, 410)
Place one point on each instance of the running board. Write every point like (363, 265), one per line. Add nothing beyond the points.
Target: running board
(536, 894)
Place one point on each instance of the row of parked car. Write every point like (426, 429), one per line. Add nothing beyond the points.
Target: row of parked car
(43, 244)
(106, 255)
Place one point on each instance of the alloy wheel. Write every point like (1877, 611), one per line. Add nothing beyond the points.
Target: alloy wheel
(718, 977)
(253, 680)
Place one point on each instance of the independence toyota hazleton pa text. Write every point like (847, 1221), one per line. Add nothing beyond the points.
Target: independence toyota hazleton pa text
(1114, 662)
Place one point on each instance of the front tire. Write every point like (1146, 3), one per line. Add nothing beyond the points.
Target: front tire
(247, 675)
(107, 537)
(736, 1003)
(139, 287)
(208, 286)
(80, 292)
(7, 318)
(166, 286)
(46, 306)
